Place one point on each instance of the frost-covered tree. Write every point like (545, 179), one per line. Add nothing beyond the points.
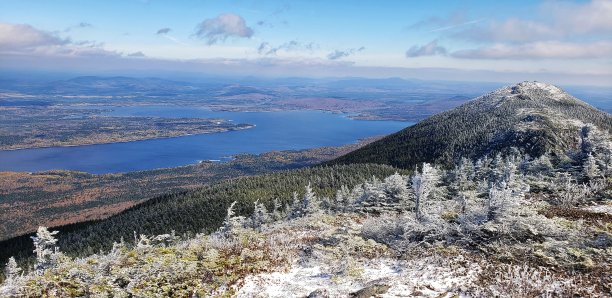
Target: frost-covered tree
(45, 249)
(396, 188)
(311, 202)
(343, 199)
(231, 222)
(499, 200)
(144, 242)
(276, 212)
(461, 184)
(308, 204)
(165, 239)
(260, 216)
(590, 169)
(11, 271)
(422, 184)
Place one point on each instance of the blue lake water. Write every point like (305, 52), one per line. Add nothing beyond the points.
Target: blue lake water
(273, 131)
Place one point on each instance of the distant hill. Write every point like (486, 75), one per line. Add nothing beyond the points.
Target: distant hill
(118, 85)
(534, 117)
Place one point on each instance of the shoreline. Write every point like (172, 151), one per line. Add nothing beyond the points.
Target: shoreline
(127, 141)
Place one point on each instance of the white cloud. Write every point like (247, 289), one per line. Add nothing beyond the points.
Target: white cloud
(21, 37)
(540, 50)
(510, 30)
(430, 49)
(557, 21)
(561, 30)
(223, 26)
(593, 17)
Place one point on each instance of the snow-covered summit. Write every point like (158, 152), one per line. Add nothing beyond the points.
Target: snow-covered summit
(529, 90)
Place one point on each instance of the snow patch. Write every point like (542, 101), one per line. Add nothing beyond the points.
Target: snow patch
(420, 277)
(606, 208)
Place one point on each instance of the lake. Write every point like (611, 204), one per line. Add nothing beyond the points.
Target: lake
(289, 130)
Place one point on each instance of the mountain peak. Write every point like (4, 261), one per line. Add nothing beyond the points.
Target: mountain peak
(528, 90)
(532, 117)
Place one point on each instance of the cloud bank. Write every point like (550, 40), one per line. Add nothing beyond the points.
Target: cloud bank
(540, 50)
(561, 30)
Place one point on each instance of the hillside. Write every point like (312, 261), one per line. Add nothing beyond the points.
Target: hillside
(535, 118)
(57, 198)
(482, 229)
(200, 209)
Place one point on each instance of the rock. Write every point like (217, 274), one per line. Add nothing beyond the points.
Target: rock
(318, 293)
(371, 291)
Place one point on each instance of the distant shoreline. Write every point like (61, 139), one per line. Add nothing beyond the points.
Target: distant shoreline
(248, 126)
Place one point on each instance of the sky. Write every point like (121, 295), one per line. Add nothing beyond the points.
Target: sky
(556, 41)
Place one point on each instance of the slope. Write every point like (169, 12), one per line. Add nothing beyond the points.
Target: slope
(534, 117)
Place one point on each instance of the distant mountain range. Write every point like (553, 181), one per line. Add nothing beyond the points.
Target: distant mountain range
(534, 117)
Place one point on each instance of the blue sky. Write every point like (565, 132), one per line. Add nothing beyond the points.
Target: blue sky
(564, 41)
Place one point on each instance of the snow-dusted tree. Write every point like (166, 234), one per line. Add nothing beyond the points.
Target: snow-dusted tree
(396, 188)
(260, 216)
(590, 169)
(276, 212)
(45, 249)
(165, 239)
(567, 193)
(499, 201)
(423, 184)
(462, 183)
(11, 271)
(371, 195)
(482, 168)
(231, 222)
(307, 205)
(295, 210)
(343, 199)
(498, 168)
(143, 242)
(311, 202)
(606, 161)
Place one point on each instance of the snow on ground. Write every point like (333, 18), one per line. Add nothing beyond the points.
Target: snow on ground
(606, 208)
(420, 277)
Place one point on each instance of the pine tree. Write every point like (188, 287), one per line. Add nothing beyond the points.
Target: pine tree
(276, 212)
(590, 169)
(231, 222)
(260, 215)
(311, 203)
(343, 199)
(45, 249)
(422, 185)
(11, 271)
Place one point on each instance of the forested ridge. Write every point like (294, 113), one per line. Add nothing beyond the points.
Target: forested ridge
(199, 211)
(533, 117)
